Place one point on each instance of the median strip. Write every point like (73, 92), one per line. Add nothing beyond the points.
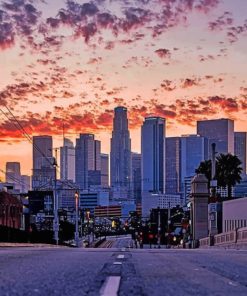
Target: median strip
(111, 286)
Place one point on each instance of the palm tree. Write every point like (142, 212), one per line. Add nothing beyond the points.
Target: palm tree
(228, 171)
(205, 168)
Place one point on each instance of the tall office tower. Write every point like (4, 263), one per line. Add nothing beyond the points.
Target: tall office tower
(137, 176)
(193, 149)
(67, 160)
(240, 148)
(13, 174)
(25, 183)
(218, 131)
(153, 154)
(173, 165)
(43, 162)
(87, 161)
(104, 170)
(120, 151)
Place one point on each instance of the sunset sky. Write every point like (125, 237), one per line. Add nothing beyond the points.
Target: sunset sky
(71, 62)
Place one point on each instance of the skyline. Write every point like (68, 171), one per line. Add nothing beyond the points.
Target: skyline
(71, 65)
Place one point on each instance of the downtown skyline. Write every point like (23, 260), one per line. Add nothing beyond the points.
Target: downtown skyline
(69, 65)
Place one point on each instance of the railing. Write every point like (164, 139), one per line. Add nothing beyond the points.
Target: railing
(237, 236)
(225, 238)
(204, 242)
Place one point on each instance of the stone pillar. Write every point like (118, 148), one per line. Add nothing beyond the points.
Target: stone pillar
(199, 208)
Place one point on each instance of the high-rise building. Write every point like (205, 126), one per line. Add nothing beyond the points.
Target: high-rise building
(240, 148)
(136, 176)
(67, 161)
(192, 154)
(218, 131)
(13, 174)
(25, 183)
(153, 154)
(88, 161)
(173, 165)
(120, 157)
(104, 170)
(43, 162)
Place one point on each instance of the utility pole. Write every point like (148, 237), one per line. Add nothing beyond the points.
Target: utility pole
(55, 198)
(76, 218)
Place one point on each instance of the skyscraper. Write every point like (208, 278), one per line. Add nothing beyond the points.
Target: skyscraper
(240, 148)
(67, 161)
(153, 154)
(192, 154)
(43, 169)
(88, 162)
(13, 174)
(120, 151)
(173, 165)
(218, 131)
(104, 170)
(137, 176)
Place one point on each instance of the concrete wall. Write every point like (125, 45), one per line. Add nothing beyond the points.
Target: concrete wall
(234, 214)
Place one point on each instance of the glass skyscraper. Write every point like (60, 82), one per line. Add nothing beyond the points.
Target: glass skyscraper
(153, 154)
(173, 165)
(67, 161)
(87, 161)
(43, 169)
(120, 157)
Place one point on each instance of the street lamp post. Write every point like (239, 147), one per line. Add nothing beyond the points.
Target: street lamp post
(76, 218)
(159, 228)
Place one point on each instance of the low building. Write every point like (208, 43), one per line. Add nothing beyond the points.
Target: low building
(234, 214)
(163, 201)
(10, 210)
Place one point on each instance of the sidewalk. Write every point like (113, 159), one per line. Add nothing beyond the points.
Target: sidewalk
(17, 245)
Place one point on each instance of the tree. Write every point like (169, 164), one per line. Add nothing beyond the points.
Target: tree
(228, 171)
(205, 168)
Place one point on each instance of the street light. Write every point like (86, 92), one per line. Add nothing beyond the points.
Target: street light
(76, 218)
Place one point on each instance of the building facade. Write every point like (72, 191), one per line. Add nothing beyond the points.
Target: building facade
(240, 148)
(153, 154)
(173, 165)
(137, 176)
(218, 131)
(13, 174)
(120, 156)
(104, 170)
(193, 151)
(43, 162)
(67, 161)
(87, 161)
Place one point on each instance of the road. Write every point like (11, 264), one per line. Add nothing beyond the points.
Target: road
(106, 271)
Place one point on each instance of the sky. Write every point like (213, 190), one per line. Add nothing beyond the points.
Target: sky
(65, 65)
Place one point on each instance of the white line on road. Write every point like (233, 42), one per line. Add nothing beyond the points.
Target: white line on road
(120, 257)
(117, 263)
(123, 249)
(111, 286)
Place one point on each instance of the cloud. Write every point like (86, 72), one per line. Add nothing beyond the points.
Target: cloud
(188, 82)
(221, 22)
(167, 85)
(163, 53)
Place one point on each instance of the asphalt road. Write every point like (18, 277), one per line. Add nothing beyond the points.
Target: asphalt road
(122, 271)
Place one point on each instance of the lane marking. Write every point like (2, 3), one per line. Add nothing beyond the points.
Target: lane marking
(117, 263)
(120, 257)
(123, 249)
(234, 284)
(111, 286)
